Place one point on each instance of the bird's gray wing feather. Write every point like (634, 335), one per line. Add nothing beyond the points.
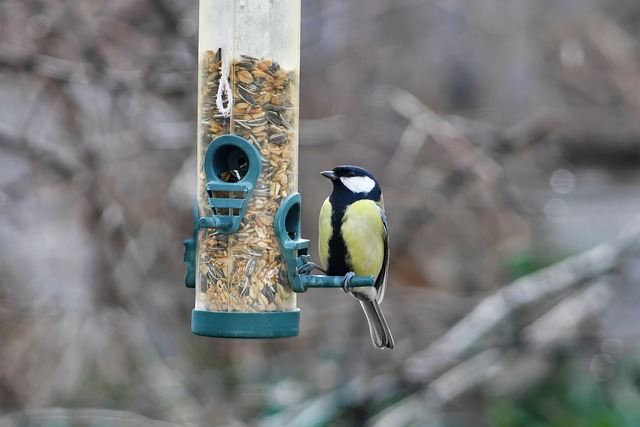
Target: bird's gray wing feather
(381, 280)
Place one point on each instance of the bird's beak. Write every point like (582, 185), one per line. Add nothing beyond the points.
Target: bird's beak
(329, 174)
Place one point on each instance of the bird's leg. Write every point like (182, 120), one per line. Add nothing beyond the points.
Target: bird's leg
(346, 282)
(308, 267)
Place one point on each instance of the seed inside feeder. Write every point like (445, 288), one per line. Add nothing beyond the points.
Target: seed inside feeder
(245, 271)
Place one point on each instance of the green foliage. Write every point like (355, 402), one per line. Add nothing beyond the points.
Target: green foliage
(523, 263)
(568, 396)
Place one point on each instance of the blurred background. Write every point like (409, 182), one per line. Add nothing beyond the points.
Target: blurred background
(507, 140)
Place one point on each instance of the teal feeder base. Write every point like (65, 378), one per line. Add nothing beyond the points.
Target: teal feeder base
(226, 324)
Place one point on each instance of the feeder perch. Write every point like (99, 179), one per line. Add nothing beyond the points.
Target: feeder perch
(295, 251)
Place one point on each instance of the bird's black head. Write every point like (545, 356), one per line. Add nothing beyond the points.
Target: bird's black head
(353, 183)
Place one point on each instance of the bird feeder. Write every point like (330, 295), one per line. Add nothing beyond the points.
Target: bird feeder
(244, 257)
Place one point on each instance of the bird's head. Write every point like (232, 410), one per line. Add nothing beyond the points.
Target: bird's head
(354, 182)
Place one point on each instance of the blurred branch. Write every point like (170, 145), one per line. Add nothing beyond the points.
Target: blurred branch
(52, 159)
(480, 157)
(518, 294)
(424, 123)
(445, 353)
(325, 130)
(40, 64)
(322, 409)
(541, 334)
(168, 16)
(566, 316)
(447, 387)
(64, 70)
(103, 417)
(161, 380)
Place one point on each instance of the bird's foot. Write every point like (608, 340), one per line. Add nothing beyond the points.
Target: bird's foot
(346, 282)
(308, 267)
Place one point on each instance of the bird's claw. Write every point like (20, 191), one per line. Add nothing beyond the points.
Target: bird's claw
(346, 282)
(306, 268)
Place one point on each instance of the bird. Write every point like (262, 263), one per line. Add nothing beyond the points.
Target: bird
(354, 240)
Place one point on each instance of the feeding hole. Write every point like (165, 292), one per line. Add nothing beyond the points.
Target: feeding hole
(230, 163)
(292, 221)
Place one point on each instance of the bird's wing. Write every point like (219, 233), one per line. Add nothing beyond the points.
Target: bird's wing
(381, 280)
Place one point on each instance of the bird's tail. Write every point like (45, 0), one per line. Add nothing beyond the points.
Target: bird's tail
(378, 327)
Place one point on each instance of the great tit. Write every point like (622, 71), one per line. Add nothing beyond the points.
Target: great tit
(354, 241)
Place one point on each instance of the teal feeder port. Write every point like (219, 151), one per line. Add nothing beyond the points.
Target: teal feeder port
(232, 166)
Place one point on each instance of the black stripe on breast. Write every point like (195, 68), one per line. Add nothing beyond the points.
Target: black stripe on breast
(337, 264)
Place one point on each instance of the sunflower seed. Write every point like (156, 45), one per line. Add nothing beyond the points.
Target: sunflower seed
(256, 122)
(278, 139)
(246, 96)
(252, 88)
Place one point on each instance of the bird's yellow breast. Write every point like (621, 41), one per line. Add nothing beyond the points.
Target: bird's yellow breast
(363, 233)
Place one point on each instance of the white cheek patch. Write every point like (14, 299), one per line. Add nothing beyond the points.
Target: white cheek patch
(358, 184)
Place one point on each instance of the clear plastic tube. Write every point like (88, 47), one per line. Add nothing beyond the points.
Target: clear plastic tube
(254, 46)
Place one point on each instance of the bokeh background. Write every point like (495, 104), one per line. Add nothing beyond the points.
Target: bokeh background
(507, 140)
